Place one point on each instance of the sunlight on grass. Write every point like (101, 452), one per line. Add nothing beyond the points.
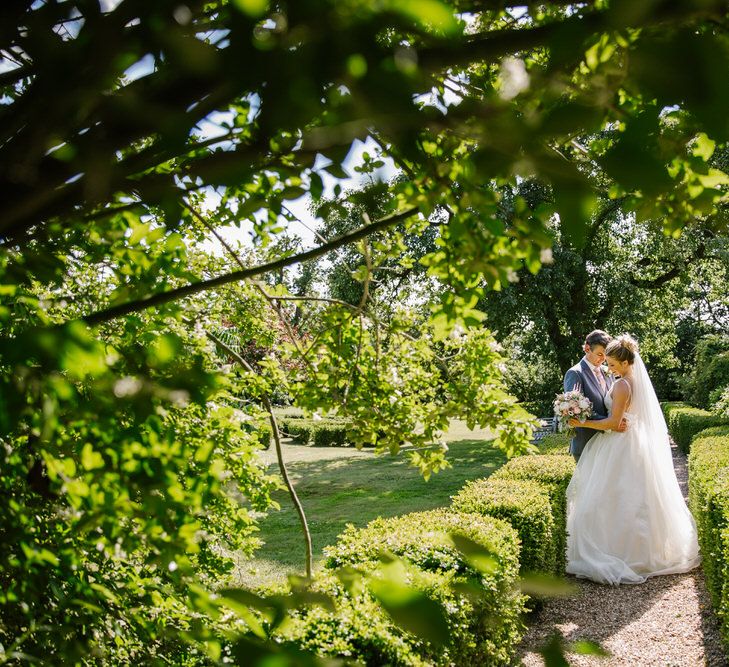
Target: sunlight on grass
(343, 485)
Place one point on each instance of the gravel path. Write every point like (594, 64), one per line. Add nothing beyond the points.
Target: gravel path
(666, 621)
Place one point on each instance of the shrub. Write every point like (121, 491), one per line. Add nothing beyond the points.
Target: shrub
(709, 503)
(289, 412)
(710, 370)
(317, 432)
(721, 406)
(299, 429)
(555, 443)
(358, 628)
(526, 506)
(485, 628)
(685, 421)
(555, 471)
(331, 435)
(668, 406)
(533, 383)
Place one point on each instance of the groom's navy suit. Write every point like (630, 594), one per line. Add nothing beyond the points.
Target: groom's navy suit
(583, 378)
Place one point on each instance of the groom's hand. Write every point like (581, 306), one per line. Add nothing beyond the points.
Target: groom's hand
(623, 425)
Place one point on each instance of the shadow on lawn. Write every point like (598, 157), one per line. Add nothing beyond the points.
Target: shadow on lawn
(337, 491)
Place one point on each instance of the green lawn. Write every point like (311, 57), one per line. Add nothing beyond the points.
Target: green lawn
(342, 485)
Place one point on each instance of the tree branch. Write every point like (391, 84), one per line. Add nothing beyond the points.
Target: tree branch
(279, 452)
(194, 288)
(671, 274)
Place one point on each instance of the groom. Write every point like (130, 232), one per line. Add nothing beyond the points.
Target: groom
(591, 379)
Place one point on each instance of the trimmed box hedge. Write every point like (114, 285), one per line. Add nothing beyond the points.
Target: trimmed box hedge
(709, 504)
(485, 629)
(317, 432)
(555, 471)
(526, 505)
(684, 422)
(357, 629)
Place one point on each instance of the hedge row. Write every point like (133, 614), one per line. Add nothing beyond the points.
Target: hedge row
(518, 516)
(526, 505)
(684, 422)
(554, 472)
(709, 504)
(483, 629)
(317, 432)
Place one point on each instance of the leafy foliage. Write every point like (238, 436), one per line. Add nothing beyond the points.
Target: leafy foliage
(474, 581)
(710, 371)
(684, 422)
(555, 472)
(708, 494)
(526, 506)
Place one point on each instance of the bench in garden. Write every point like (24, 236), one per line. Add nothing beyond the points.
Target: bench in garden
(547, 425)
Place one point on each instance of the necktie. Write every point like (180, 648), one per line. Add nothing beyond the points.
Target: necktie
(600, 378)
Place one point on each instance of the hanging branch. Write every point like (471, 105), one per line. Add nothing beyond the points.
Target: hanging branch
(279, 452)
(194, 288)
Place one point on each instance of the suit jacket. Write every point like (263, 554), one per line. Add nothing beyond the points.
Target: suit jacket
(580, 376)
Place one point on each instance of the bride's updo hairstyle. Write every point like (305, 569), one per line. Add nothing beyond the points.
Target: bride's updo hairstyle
(622, 348)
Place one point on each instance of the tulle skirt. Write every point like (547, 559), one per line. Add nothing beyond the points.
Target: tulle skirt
(626, 516)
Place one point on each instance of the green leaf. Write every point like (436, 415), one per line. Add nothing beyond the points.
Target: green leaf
(253, 8)
(431, 13)
(410, 608)
(476, 554)
(586, 647)
(90, 460)
(337, 171)
(703, 147)
(553, 652)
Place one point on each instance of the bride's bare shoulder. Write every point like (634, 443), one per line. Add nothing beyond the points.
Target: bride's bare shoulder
(622, 388)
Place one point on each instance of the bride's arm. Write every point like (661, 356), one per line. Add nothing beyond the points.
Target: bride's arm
(621, 394)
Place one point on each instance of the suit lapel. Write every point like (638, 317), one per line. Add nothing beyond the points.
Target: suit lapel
(591, 379)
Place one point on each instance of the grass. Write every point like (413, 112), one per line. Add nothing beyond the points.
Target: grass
(343, 485)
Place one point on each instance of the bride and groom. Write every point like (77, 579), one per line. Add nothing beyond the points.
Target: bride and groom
(626, 516)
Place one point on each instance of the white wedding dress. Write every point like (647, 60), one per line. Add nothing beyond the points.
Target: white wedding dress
(626, 516)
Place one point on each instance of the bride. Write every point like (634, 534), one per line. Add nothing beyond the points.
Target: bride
(626, 516)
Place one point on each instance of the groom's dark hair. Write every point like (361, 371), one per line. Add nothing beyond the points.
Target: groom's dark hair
(598, 337)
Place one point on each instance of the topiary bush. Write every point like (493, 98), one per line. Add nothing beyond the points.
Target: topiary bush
(526, 505)
(485, 628)
(685, 421)
(668, 406)
(555, 471)
(709, 504)
(301, 430)
(358, 628)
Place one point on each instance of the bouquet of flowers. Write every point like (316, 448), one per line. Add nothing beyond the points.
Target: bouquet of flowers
(571, 405)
